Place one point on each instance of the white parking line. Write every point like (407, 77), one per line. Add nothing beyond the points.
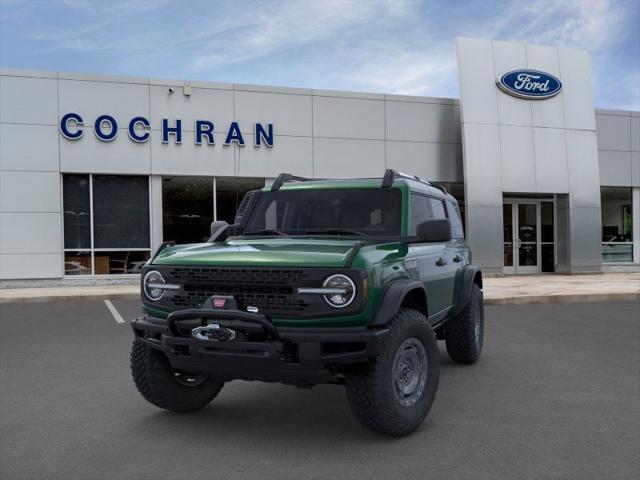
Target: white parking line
(116, 315)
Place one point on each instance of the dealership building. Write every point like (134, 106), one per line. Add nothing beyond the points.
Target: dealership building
(97, 171)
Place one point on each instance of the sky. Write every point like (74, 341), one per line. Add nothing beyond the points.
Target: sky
(402, 47)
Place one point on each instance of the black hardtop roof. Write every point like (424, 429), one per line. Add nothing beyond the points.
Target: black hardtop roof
(390, 176)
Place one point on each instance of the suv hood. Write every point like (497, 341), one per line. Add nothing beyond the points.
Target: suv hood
(276, 252)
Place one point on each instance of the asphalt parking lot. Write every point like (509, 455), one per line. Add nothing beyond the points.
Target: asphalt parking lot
(555, 395)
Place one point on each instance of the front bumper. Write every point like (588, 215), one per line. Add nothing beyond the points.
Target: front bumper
(299, 356)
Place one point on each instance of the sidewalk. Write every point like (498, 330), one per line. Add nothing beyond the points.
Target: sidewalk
(512, 290)
(61, 294)
(528, 289)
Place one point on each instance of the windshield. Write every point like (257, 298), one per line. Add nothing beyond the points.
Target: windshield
(335, 211)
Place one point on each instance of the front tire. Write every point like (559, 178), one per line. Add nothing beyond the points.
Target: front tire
(393, 393)
(167, 388)
(464, 335)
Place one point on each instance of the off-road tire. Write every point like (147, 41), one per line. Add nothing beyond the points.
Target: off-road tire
(460, 334)
(155, 380)
(370, 388)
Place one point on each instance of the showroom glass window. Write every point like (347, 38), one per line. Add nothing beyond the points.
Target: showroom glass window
(190, 204)
(106, 224)
(617, 224)
(187, 209)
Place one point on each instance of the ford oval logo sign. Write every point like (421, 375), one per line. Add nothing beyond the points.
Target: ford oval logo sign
(529, 84)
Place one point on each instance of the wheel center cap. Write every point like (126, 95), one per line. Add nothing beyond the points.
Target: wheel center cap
(405, 372)
(409, 372)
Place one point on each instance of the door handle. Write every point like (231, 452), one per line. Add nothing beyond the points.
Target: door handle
(441, 262)
(457, 258)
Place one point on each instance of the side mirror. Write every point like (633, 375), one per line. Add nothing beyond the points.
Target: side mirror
(217, 227)
(434, 231)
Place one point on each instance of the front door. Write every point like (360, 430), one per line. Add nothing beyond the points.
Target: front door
(433, 264)
(522, 236)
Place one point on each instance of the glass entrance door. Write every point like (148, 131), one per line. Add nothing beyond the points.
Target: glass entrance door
(528, 237)
(526, 240)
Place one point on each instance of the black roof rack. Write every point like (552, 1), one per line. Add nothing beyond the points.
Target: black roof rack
(390, 175)
(287, 177)
(387, 181)
(440, 187)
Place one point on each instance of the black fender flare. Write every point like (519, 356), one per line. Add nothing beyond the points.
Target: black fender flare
(471, 275)
(392, 298)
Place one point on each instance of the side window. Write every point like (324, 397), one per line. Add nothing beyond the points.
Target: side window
(437, 207)
(420, 211)
(457, 231)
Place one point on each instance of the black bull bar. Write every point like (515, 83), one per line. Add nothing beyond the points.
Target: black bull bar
(296, 355)
(193, 313)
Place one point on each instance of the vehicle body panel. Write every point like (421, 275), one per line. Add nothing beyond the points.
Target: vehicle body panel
(271, 251)
(382, 262)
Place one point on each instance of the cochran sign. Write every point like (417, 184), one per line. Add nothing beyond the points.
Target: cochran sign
(105, 128)
(529, 84)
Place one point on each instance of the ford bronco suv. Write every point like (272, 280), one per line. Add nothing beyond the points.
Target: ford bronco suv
(348, 282)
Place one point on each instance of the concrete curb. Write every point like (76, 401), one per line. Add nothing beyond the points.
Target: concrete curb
(563, 298)
(70, 297)
(495, 301)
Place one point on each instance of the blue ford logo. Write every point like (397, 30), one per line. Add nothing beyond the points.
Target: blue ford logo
(529, 84)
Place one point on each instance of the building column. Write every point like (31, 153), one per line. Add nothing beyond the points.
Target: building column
(579, 238)
(483, 195)
(155, 192)
(635, 218)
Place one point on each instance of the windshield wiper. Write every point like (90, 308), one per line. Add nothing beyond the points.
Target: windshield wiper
(267, 231)
(337, 231)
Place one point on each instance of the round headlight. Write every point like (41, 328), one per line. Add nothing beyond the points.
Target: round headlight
(152, 285)
(343, 290)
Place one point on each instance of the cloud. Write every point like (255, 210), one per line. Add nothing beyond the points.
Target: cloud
(419, 59)
(401, 47)
(590, 24)
(400, 71)
(620, 91)
(291, 25)
(374, 46)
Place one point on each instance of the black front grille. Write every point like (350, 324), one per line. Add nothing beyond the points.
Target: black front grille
(272, 291)
(237, 276)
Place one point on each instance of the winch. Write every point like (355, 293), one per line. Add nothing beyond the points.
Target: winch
(214, 332)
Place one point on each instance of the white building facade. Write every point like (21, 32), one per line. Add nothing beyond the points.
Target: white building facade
(97, 171)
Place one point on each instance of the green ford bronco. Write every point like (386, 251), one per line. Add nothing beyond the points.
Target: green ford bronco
(349, 282)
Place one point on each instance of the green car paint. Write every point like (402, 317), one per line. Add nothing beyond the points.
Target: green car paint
(382, 261)
(278, 251)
